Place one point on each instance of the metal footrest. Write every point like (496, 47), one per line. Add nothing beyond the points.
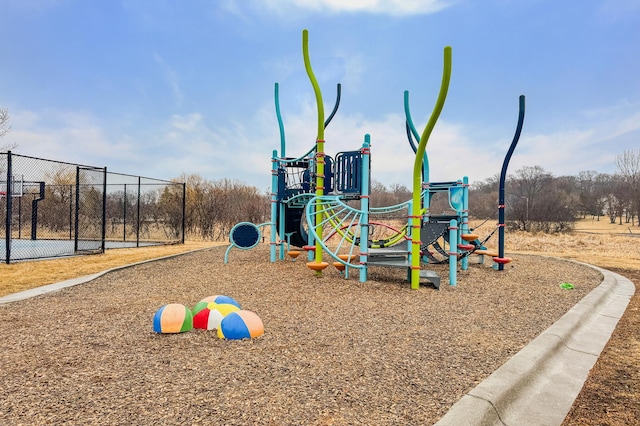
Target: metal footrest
(388, 254)
(391, 261)
(431, 276)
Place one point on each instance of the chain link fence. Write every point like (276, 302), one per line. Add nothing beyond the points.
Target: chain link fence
(53, 209)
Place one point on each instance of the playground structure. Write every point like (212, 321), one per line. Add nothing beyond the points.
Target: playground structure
(321, 204)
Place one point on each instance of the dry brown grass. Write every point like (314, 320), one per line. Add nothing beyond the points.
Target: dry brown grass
(604, 226)
(596, 242)
(605, 250)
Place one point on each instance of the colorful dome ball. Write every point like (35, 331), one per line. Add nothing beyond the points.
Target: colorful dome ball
(173, 318)
(221, 299)
(207, 315)
(241, 324)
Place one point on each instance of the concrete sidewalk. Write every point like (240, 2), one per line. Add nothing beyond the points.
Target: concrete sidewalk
(538, 385)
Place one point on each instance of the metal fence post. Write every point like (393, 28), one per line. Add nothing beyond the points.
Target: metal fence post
(124, 214)
(76, 223)
(104, 208)
(70, 211)
(138, 214)
(19, 217)
(7, 239)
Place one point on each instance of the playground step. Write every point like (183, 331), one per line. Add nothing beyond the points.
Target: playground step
(298, 200)
(431, 276)
(387, 252)
(393, 262)
(389, 262)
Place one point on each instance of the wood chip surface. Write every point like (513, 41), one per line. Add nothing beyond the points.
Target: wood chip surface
(334, 352)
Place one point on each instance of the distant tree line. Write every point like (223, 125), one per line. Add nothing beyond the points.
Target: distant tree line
(536, 200)
(213, 207)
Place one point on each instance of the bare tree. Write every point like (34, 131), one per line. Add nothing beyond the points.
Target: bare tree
(588, 197)
(380, 195)
(628, 164)
(4, 122)
(541, 202)
(214, 207)
(4, 129)
(483, 198)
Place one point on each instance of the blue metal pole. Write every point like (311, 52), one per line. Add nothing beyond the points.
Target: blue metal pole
(281, 226)
(409, 242)
(335, 107)
(279, 116)
(453, 252)
(274, 204)
(364, 206)
(8, 217)
(503, 177)
(465, 217)
(412, 131)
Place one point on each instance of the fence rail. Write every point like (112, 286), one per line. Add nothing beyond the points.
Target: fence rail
(53, 208)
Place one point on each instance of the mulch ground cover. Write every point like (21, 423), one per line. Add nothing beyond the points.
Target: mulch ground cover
(334, 352)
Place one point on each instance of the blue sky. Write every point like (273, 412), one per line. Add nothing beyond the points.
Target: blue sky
(164, 87)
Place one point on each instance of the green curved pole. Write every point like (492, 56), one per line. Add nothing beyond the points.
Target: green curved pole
(319, 138)
(314, 83)
(417, 171)
(279, 116)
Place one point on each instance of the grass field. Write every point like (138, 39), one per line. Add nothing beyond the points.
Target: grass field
(597, 242)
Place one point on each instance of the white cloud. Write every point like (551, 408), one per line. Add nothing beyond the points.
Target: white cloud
(195, 143)
(354, 68)
(385, 7)
(74, 137)
(242, 151)
(627, 125)
(615, 120)
(564, 152)
(186, 122)
(455, 150)
(392, 159)
(233, 7)
(172, 80)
